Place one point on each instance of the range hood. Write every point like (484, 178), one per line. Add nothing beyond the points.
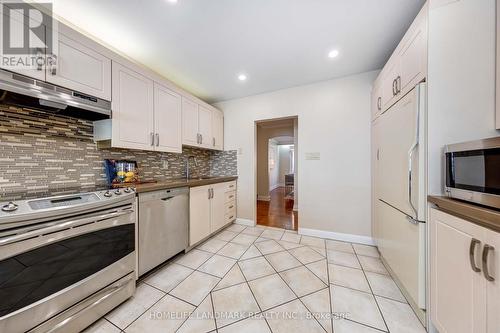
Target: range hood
(22, 91)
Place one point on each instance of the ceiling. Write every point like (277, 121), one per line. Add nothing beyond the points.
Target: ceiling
(203, 45)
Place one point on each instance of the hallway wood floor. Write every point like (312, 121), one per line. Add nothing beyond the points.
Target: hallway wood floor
(278, 212)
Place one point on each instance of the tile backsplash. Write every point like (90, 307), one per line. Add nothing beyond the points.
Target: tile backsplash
(41, 151)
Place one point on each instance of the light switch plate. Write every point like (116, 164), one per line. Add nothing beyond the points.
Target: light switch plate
(313, 156)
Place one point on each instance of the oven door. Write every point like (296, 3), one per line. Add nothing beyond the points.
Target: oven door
(48, 268)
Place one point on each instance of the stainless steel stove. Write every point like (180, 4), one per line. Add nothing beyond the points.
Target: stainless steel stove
(66, 260)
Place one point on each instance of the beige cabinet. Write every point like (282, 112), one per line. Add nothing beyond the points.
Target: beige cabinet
(199, 214)
(464, 273)
(190, 132)
(133, 110)
(498, 68)
(167, 119)
(81, 68)
(210, 209)
(376, 98)
(205, 126)
(217, 130)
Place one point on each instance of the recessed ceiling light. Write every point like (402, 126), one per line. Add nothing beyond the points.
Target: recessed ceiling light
(242, 77)
(172, 1)
(333, 54)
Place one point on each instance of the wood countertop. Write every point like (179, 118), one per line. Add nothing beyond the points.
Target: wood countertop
(485, 217)
(182, 182)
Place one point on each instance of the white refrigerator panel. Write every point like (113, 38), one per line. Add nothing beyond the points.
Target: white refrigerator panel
(402, 171)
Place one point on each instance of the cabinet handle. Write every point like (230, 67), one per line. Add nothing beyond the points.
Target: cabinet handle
(486, 250)
(398, 84)
(152, 136)
(231, 206)
(212, 192)
(472, 254)
(157, 139)
(231, 217)
(394, 87)
(209, 194)
(379, 103)
(201, 138)
(378, 154)
(213, 141)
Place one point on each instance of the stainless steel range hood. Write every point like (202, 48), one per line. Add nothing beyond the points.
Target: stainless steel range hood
(26, 92)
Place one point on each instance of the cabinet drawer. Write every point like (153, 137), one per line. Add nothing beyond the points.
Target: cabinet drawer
(230, 208)
(230, 196)
(230, 186)
(230, 217)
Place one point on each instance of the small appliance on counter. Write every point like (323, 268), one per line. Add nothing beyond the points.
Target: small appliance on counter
(120, 172)
(473, 172)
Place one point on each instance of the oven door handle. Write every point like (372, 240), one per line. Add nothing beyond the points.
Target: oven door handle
(48, 228)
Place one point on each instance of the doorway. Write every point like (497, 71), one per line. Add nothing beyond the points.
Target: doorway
(277, 146)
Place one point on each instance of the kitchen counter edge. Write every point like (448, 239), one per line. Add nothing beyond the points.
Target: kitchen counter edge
(485, 217)
(165, 185)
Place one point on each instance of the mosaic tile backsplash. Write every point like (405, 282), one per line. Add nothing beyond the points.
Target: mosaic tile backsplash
(41, 151)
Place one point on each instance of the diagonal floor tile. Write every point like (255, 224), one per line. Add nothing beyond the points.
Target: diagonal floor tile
(289, 245)
(319, 305)
(102, 326)
(281, 322)
(306, 255)
(302, 281)
(201, 320)
(195, 287)
(217, 265)
(290, 237)
(384, 285)
(320, 269)
(356, 305)
(366, 250)
(250, 325)
(226, 235)
(399, 316)
(272, 234)
(212, 245)
(313, 241)
(348, 277)
(194, 258)
(252, 252)
(269, 246)
(319, 250)
(343, 259)
(271, 291)
(244, 239)
(165, 316)
(339, 246)
(282, 261)
(252, 231)
(371, 264)
(233, 277)
(168, 277)
(145, 296)
(347, 326)
(236, 228)
(255, 268)
(233, 304)
(233, 250)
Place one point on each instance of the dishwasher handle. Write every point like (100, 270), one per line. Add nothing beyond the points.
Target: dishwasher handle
(167, 198)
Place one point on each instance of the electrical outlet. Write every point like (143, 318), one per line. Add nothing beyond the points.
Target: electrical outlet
(164, 164)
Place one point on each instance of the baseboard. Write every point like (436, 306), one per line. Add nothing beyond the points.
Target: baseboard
(337, 236)
(295, 208)
(247, 222)
(263, 198)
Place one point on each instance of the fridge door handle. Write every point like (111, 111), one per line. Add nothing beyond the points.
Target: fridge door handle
(413, 147)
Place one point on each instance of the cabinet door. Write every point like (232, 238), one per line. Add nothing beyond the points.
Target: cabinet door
(189, 122)
(376, 101)
(199, 214)
(218, 211)
(375, 179)
(168, 120)
(19, 24)
(493, 287)
(80, 68)
(132, 107)
(414, 57)
(217, 129)
(205, 127)
(389, 82)
(457, 292)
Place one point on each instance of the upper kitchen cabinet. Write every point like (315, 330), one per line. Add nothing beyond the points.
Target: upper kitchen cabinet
(217, 129)
(407, 66)
(202, 126)
(19, 24)
(376, 105)
(78, 66)
(133, 110)
(498, 68)
(167, 119)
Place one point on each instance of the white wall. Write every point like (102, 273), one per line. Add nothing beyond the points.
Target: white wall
(284, 154)
(274, 171)
(334, 120)
(461, 87)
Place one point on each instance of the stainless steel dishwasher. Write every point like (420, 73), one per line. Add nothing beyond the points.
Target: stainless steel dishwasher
(163, 226)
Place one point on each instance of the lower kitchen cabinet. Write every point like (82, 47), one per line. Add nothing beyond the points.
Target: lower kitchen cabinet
(465, 273)
(211, 207)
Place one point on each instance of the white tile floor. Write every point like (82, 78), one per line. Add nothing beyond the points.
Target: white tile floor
(260, 279)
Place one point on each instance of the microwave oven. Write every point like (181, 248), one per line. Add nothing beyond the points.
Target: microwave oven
(473, 171)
